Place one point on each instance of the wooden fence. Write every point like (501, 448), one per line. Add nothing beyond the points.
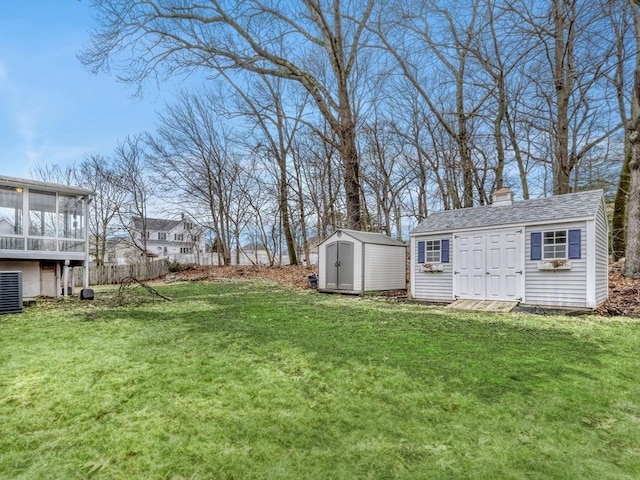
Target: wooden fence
(113, 274)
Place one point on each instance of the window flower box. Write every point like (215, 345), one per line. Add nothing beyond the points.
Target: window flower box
(431, 267)
(553, 265)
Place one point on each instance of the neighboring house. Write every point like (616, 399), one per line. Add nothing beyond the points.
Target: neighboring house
(545, 252)
(179, 241)
(356, 262)
(43, 232)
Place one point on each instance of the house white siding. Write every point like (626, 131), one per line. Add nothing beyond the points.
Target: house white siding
(556, 287)
(602, 255)
(385, 268)
(436, 286)
(30, 276)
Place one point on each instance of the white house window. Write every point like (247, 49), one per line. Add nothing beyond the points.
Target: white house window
(432, 251)
(185, 250)
(554, 245)
(179, 237)
(188, 225)
(162, 235)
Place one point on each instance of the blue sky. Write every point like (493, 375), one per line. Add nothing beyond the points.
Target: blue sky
(52, 111)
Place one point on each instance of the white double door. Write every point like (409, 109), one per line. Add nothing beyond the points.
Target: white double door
(488, 265)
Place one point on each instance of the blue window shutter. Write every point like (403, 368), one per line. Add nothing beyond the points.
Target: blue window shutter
(574, 243)
(445, 250)
(420, 252)
(536, 245)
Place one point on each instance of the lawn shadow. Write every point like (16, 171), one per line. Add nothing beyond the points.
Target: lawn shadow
(483, 357)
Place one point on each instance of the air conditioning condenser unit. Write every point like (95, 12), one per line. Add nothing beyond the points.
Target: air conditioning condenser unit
(10, 292)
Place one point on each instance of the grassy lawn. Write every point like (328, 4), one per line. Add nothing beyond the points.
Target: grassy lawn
(243, 380)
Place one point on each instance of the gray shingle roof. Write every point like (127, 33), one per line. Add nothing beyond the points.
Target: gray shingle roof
(375, 238)
(156, 224)
(540, 210)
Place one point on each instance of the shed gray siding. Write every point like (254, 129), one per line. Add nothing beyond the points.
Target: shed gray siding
(357, 263)
(431, 286)
(322, 267)
(561, 287)
(385, 267)
(379, 262)
(602, 256)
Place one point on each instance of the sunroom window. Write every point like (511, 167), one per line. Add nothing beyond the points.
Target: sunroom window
(10, 211)
(70, 216)
(42, 214)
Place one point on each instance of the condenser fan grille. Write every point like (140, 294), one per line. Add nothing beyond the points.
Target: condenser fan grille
(10, 292)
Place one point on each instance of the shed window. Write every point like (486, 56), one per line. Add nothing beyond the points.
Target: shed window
(433, 251)
(554, 245)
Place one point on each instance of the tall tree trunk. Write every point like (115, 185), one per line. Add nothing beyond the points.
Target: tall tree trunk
(563, 78)
(632, 257)
(619, 216)
(618, 219)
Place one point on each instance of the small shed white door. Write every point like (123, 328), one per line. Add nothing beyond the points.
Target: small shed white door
(488, 265)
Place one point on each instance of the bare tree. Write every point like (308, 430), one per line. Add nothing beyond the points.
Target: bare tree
(632, 256)
(452, 108)
(385, 175)
(621, 21)
(55, 174)
(192, 156)
(170, 36)
(99, 176)
(566, 74)
(138, 190)
(263, 103)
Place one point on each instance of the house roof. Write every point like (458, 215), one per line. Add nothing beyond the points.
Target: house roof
(375, 238)
(46, 186)
(539, 210)
(156, 224)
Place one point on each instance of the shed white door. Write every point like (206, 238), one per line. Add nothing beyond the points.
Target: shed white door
(488, 265)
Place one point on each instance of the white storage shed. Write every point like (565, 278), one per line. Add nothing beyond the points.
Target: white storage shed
(546, 252)
(355, 262)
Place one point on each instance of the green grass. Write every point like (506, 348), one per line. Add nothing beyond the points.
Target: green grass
(243, 380)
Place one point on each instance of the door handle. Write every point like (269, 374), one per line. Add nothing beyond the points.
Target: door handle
(338, 263)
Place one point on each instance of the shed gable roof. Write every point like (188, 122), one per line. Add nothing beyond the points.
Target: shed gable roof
(539, 210)
(367, 237)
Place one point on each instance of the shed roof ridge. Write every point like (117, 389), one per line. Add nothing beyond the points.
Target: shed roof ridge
(553, 208)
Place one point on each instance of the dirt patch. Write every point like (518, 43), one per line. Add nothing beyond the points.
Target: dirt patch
(293, 275)
(624, 294)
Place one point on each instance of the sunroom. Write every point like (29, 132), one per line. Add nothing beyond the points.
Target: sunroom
(43, 233)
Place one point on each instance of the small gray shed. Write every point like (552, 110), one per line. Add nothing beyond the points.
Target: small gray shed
(355, 262)
(545, 252)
